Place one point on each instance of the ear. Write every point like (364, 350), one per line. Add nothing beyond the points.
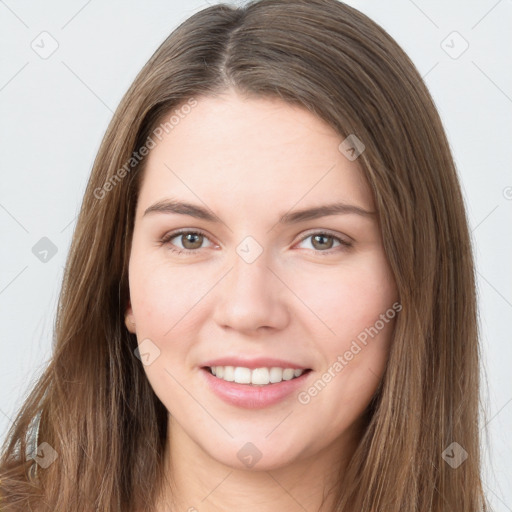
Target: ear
(129, 318)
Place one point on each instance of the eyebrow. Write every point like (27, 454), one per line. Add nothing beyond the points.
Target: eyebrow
(191, 210)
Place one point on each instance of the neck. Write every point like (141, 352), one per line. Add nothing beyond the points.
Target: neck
(195, 482)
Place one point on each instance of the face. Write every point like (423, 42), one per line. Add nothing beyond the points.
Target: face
(292, 311)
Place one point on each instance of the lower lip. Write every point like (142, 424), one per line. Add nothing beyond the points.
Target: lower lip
(251, 396)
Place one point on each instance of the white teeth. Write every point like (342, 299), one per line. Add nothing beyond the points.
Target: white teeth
(258, 376)
(242, 375)
(276, 375)
(229, 373)
(288, 374)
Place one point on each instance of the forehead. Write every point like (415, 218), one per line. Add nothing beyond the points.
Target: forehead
(251, 153)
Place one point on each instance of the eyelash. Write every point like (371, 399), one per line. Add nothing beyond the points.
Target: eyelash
(165, 240)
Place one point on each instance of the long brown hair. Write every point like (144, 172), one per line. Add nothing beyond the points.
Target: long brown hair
(98, 411)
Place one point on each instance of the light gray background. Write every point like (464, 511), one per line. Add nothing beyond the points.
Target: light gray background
(54, 111)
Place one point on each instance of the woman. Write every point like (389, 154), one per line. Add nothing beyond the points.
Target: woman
(211, 352)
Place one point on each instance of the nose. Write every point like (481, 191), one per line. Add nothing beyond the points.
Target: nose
(252, 297)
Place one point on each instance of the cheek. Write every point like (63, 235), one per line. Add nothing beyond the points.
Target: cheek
(163, 301)
(343, 387)
(163, 297)
(356, 303)
(350, 298)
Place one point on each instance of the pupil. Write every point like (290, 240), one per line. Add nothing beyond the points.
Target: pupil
(187, 238)
(316, 237)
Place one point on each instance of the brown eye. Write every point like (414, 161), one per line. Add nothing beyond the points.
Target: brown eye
(185, 241)
(322, 241)
(191, 240)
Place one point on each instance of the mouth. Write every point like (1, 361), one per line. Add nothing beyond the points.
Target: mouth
(257, 377)
(254, 382)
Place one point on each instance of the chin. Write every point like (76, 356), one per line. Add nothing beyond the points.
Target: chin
(260, 454)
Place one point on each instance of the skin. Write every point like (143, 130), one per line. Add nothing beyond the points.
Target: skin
(250, 161)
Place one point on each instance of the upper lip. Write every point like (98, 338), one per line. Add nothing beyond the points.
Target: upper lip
(257, 362)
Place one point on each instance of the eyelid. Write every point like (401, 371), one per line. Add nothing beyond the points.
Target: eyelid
(342, 237)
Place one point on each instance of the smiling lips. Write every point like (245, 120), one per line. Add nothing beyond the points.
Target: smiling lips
(255, 383)
(257, 376)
